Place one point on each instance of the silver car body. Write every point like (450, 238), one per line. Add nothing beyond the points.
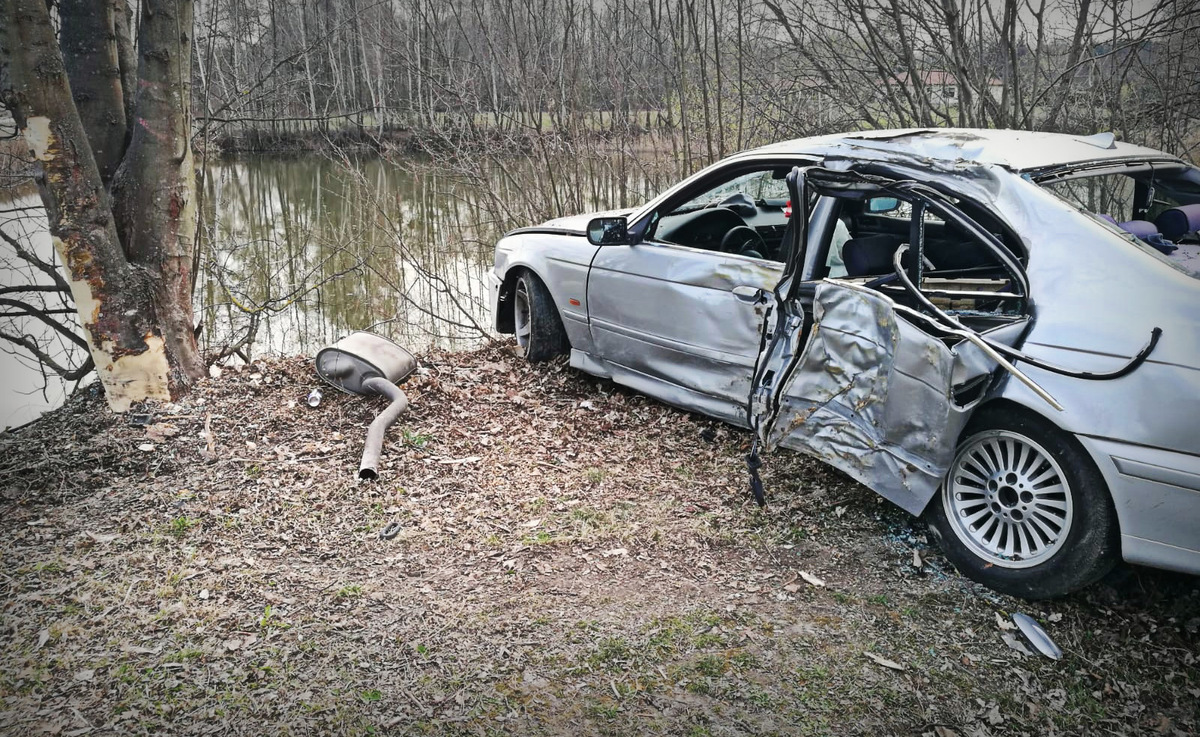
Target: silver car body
(663, 319)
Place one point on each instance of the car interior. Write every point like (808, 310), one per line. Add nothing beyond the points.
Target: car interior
(749, 215)
(745, 216)
(959, 274)
(1161, 210)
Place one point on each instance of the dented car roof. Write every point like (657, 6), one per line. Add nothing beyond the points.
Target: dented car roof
(1011, 149)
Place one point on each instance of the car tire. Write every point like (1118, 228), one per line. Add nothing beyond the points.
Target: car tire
(536, 322)
(1023, 508)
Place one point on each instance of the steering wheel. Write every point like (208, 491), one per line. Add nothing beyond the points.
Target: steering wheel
(743, 238)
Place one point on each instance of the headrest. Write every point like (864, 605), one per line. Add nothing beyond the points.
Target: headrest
(1178, 221)
(869, 255)
(1106, 218)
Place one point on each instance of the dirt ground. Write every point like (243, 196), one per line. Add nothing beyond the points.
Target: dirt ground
(572, 558)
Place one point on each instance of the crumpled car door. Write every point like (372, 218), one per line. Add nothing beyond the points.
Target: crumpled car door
(871, 387)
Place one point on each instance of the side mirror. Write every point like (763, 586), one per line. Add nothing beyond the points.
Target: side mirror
(608, 232)
(881, 205)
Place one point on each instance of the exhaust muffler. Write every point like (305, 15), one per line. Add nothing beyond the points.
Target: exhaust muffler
(368, 364)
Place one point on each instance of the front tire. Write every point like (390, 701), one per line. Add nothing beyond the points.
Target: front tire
(1023, 509)
(536, 322)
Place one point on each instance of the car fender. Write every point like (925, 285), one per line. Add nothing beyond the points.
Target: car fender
(561, 259)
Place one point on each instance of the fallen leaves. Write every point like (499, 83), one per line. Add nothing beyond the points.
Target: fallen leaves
(161, 431)
(459, 461)
(1015, 643)
(655, 586)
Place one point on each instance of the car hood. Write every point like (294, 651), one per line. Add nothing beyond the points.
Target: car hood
(579, 222)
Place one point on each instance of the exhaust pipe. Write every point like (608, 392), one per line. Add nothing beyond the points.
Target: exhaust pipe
(368, 364)
(367, 469)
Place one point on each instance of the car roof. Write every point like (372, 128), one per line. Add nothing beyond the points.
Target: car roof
(1011, 149)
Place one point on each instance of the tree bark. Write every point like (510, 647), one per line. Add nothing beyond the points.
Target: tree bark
(89, 48)
(112, 299)
(126, 57)
(154, 195)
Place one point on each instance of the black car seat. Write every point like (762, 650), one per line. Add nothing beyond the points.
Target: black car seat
(870, 255)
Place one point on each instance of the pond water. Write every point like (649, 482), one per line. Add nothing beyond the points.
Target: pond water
(296, 252)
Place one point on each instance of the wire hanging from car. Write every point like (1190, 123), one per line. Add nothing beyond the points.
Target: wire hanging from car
(1013, 353)
(753, 463)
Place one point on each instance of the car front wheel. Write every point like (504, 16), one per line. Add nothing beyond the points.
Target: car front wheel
(1023, 509)
(539, 329)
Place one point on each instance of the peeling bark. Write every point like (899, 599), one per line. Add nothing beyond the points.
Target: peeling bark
(153, 193)
(126, 57)
(89, 47)
(116, 300)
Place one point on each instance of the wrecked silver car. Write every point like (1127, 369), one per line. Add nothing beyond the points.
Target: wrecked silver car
(998, 330)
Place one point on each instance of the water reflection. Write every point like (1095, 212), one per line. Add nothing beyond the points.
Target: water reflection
(25, 390)
(300, 251)
(296, 252)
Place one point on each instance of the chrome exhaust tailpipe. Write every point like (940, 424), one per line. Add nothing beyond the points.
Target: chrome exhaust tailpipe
(368, 364)
(368, 467)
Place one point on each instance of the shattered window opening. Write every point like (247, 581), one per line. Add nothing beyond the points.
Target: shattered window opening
(956, 270)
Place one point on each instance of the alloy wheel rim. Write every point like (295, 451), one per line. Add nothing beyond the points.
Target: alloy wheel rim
(1008, 500)
(522, 316)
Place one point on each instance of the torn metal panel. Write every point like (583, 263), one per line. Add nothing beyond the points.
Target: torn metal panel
(872, 395)
(973, 362)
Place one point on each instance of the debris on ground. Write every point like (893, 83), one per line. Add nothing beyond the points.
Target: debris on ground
(567, 557)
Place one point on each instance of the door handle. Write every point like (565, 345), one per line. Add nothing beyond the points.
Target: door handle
(748, 294)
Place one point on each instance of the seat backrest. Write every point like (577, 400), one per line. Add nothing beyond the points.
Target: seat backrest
(870, 255)
(1178, 221)
(964, 254)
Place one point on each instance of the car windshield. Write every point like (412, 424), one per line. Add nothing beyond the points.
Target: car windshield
(760, 186)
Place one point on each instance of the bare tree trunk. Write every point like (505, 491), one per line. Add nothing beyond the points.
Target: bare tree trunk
(89, 49)
(1073, 56)
(127, 58)
(154, 192)
(112, 299)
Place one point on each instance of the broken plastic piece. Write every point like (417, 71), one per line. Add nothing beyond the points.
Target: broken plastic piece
(1037, 636)
(314, 398)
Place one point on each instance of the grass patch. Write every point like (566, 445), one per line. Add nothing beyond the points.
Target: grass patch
(180, 526)
(349, 591)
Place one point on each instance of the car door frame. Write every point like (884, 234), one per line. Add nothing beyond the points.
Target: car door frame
(811, 378)
(695, 377)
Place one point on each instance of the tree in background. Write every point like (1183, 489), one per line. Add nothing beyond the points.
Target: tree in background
(114, 151)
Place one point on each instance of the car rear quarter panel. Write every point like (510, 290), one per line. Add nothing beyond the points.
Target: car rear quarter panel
(1096, 298)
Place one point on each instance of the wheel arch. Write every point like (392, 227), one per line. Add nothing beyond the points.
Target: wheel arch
(505, 322)
(1002, 404)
